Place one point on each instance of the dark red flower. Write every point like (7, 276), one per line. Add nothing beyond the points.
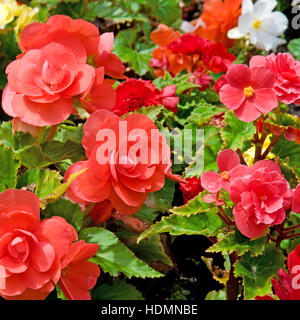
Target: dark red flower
(134, 94)
(220, 83)
(188, 44)
(216, 57)
(191, 188)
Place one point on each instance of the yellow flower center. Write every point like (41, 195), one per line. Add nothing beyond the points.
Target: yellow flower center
(257, 24)
(225, 175)
(248, 92)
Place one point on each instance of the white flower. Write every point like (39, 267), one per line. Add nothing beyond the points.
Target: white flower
(261, 24)
(295, 2)
(188, 27)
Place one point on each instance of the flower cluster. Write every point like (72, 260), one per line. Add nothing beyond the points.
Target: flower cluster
(251, 91)
(189, 52)
(53, 71)
(35, 255)
(260, 192)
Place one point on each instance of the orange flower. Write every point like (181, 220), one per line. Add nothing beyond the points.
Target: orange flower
(219, 18)
(163, 58)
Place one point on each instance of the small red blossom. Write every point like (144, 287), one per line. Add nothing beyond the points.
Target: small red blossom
(188, 44)
(216, 57)
(190, 188)
(220, 83)
(249, 91)
(134, 94)
(201, 78)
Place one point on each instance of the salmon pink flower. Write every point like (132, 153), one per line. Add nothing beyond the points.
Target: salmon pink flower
(30, 250)
(213, 182)
(249, 91)
(79, 275)
(133, 161)
(261, 194)
(42, 84)
(286, 75)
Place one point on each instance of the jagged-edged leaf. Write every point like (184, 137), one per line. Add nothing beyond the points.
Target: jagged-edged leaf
(237, 133)
(294, 48)
(216, 295)
(114, 257)
(45, 181)
(283, 120)
(49, 153)
(204, 223)
(235, 241)
(165, 11)
(66, 209)
(66, 132)
(150, 250)
(194, 206)
(289, 152)
(118, 290)
(9, 168)
(258, 271)
(151, 112)
(203, 113)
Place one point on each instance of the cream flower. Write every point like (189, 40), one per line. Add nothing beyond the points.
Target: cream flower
(6, 14)
(261, 24)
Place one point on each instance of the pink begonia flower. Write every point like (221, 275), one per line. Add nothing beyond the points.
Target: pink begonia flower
(262, 195)
(296, 200)
(249, 91)
(286, 75)
(213, 181)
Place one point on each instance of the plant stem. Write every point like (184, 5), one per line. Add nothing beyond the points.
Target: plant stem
(239, 152)
(289, 229)
(232, 284)
(272, 144)
(223, 215)
(291, 236)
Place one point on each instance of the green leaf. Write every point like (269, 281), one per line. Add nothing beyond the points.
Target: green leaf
(257, 271)
(165, 11)
(114, 257)
(236, 133)
(50, 152)
(288, 152)
(212, 146)
(118, 290)
(235, 241)
(67, 132)
(194, 206)
(204, 223)
(294, 48)
(151, 112)
(216, 295)
(45, 181)
(203, 114)
(66, 209)
(8, 169)
(150, 250)
(6, 135)
(9, 44)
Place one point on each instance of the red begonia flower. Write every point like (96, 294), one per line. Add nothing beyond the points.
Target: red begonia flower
(79, 275)
(190, 188)
(188, 44)
(220, 83)
(201, 78)
(249, 91)
(296, 200)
